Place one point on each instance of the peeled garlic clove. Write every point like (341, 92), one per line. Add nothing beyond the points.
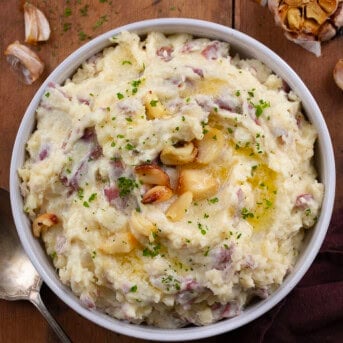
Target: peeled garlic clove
(37, 27)
(179, 155)
(43, 222)
(140, 225)
(338, 74)
(211, 146)
(25, 62)
(157, 194)
(199, 182)
(119, 243)
(179, 207)
(154, 108)
(152, 175)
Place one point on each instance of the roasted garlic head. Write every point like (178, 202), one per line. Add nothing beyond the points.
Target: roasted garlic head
(308, 22)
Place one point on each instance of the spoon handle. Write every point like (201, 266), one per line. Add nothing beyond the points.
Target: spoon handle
(36, 299)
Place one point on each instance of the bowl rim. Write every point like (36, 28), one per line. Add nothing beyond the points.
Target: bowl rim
(255, 49)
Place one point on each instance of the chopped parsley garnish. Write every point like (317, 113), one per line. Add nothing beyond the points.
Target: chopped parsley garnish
(80, 193)
(100, 22)
(207, 251)
(251, 92)
(202, 229)
(171, 282)
(125, 185)
(83, 36)
(238, 93)
(85, 204)
(268, 203)
(53, 254)
(135, 84)
(113, 144)
(253, 168)
(129, 120)
(129, 146)
(120, 96)
(260, 107)
(152, 252)
(126, 62)
(67, 12)
(307, 212)
(92, 197)
(213, 200)
(66, 27)
(120, 136)
(153, 103)
(229, 130)
(47, 94)
(93, 254)
(246, 213)
(84, 10)
(206, 215)
(133, 289)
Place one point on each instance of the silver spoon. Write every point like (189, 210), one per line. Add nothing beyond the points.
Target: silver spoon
(19, 279)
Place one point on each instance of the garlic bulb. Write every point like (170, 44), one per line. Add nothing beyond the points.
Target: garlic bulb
(24, 62)
(308, 22)
(37, 27)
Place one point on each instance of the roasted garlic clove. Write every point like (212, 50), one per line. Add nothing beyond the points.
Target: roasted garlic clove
(157, 194)
(210, 147)
(24, 62)
(338, 74)
(119, 243)
(37, 28)
(154, 108)
(329, 6)
(178, 155)
(152, 175)
(294, 18)
(314, 11)
(199, 182)
(140, 225)
(178, 208)
(43, 222)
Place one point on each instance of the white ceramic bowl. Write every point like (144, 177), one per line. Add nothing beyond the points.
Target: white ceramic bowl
(246, 46)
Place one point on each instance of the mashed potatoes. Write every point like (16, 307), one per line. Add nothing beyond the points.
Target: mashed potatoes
(170, 182)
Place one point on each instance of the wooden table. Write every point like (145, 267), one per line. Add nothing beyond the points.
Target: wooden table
(20, 321)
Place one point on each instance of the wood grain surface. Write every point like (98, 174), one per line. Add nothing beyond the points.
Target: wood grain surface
(20, 321)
